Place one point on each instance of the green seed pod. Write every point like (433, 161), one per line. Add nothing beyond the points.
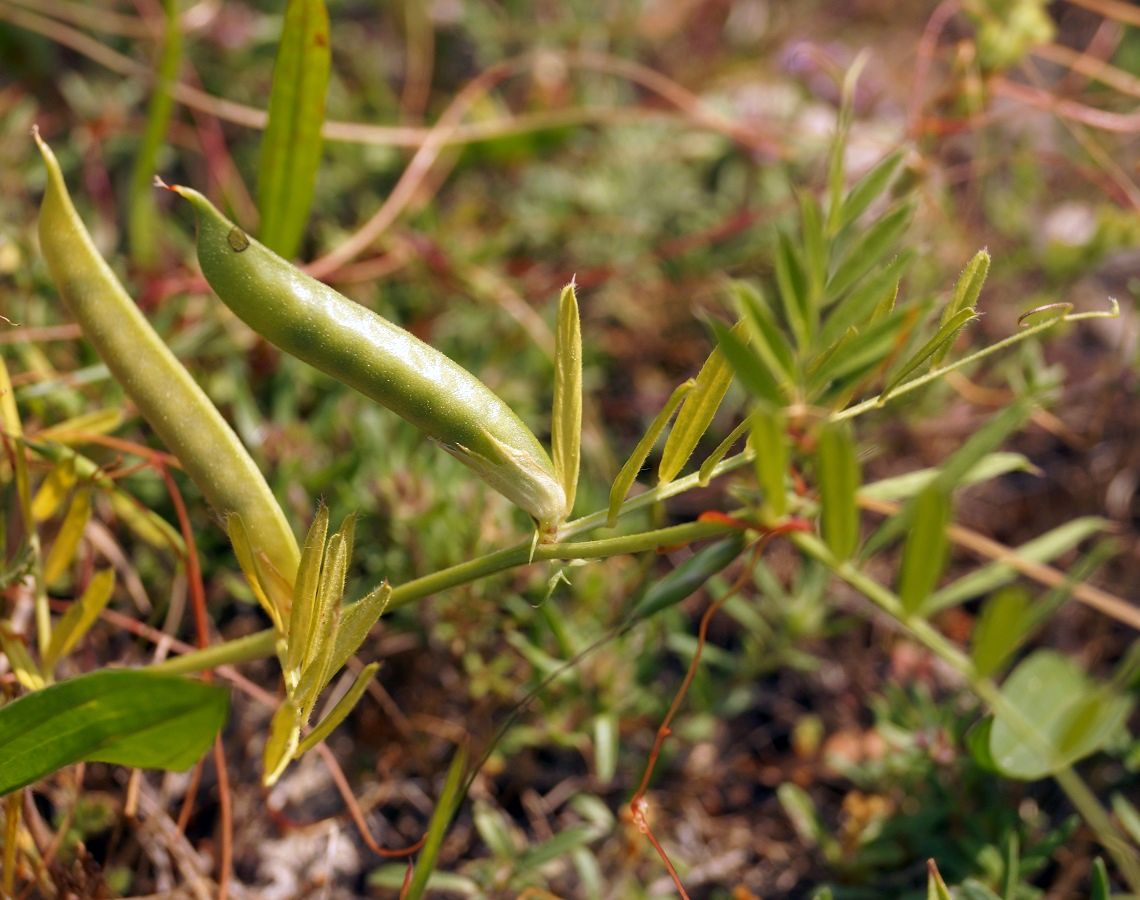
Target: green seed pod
(164, 392)
(384, 362)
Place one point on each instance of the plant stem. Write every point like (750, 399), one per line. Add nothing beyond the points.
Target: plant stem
(239, 650)
(464, 573)
(264, 643)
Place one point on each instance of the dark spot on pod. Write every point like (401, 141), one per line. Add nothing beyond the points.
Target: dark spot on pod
(238, 239)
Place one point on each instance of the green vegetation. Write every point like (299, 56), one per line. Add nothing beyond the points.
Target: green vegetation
(816, 420)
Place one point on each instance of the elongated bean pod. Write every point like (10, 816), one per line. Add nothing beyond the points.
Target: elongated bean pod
(168, 398)
(356, 346)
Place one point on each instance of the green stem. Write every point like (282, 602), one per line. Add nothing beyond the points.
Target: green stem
(521, 554)
(264, 643)
(239, 650)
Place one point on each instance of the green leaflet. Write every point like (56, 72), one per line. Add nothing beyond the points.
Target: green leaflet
(1041, 549)
(769, 438)
(704, 474)
(925, 552)
(628, 473)
(566, 420)
(933, 349)
(838, 481)
(748, 365)
(697, 411)
(80, 616)
(63, 550)
(966, 292)
(340, 711)
(688, 577)
(1003, 625)
(793, 290)
(122, 716)
(869, 250)
(291, 145)
(866, 191)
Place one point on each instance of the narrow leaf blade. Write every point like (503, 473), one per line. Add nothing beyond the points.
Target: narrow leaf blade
(628, 474)
(339, 712)
(925, 551)
(566, 421)
(80, 616)
(838, 482)
(66, 543)
(697, 411)
(291, 145)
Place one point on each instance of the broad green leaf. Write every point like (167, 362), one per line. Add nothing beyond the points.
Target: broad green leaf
(1042, 549)
(704, 474)
(1002, 627)
(868, 189)
(697, 411)
(688, 578)
(53, 490)
(793, 289)
(566, 421)
(339, 712)
(933, 349)
(926, 550)
(1061, 717)
(123, 716)
(141, 224)
(281, 742)
(765, 335)
(303, 615)
(66, 543)
(748, 365)
(770, 443)
(838, 481)
(449, 799)
(356, 620)
(965, 296)
(628, 474)
(869, 250)
(291, 145)
(902, 487)
(80, 616)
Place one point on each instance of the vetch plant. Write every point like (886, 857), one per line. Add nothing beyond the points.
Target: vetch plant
(831, 338)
